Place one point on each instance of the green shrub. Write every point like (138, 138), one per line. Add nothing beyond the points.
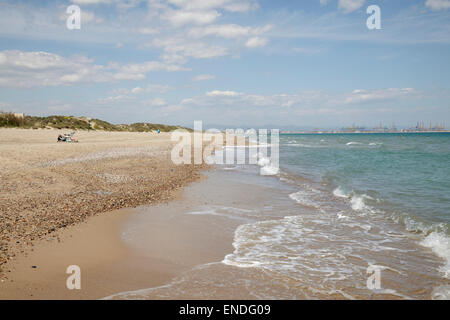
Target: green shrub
(7, 119)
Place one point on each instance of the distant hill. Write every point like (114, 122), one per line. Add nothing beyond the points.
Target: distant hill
(19, 120)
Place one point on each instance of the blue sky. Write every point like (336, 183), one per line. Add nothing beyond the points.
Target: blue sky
(230, 63)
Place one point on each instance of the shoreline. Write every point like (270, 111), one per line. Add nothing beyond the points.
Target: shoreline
(53, 193)
(234, 235)
(172, 245)
(140, 249)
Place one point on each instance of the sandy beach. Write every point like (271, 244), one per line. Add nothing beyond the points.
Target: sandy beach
(65, 202)
(140, 227)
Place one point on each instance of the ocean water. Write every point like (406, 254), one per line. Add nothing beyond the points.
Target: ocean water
(407, 173)
(405, 177)
(340, 206)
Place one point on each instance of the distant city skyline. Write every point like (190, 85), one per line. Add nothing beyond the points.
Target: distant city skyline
(230, 63)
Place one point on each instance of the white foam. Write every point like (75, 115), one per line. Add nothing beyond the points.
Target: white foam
(204, 212)
(338, 192)
(228, 260)
(230, 168)
(286, 246)
(228, 212)
(269, 170)
(304, 198)
(440, 244)
(341, 216)
(352, 143)
(301, 145)
(358, 203)
(415, 226)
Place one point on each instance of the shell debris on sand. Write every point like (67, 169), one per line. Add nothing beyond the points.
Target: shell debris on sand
(47, 186)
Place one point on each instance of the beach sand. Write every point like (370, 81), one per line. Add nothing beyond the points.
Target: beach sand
(50, 199)
(208, 242)
(130, 249)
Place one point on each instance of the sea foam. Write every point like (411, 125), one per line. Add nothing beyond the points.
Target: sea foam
(440, 244)
(352, 143)
(304, 198)
(338, 192)
(358, 203)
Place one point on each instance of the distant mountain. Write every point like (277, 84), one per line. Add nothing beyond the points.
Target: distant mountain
(19, 120)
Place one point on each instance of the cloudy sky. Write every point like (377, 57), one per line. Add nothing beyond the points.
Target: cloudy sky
(230, 63)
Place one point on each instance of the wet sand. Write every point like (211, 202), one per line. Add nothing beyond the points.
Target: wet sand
(194, 233)
(123, 250)
(134, 249)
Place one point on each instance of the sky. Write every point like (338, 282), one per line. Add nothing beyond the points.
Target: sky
(229, 63)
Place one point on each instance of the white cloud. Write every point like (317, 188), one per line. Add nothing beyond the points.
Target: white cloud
(125, 95)
(87, 17)
(120, 99)
(37, 69)
(151, 88)
(360, 95)
(179, 17)
(203, 77)
(438, 4)
(178, 48)
(157, 102)
(137, 90)
(199, 12)
(157, 88)
(127, 4)
(147, 31)
(172, 57)
(138, 71)
(227, 31)
(346, 5)
(228, 5)
(89, 2)
(31, 69)
(350, 5)
(218, 93)
(256, 42)
(121, 4)
(112, 99)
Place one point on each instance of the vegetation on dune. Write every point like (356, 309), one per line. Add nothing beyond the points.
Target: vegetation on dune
(10, 120)
(145, 127)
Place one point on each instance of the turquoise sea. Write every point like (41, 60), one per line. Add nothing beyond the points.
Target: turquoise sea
(404, 178)
(403, 174)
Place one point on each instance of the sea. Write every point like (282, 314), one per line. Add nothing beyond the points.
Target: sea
(346, 216)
